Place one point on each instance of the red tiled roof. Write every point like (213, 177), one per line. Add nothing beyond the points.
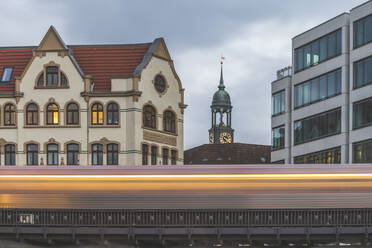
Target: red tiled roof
(16, 58)
(100, 61)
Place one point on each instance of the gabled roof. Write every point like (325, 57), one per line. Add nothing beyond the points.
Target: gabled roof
(102, 62)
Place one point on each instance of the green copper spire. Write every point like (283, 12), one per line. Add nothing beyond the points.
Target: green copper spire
(221, 86)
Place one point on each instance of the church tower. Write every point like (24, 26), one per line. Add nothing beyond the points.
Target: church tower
(221, 131)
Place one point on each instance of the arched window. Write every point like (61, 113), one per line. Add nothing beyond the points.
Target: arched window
(112, 114)
(32, 154)
(72, 154)
(169, 121)
(9, 115)
(63, 80)
(149, 116)
(32, 114)
(97, 114)
(97, 154)
(112, 154)
(52, 76)
(40, 81)
(10, 154)
(72, 114)
(52, 154)
(52, 114)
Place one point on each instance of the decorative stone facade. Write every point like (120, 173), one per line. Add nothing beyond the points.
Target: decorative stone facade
(92, 96)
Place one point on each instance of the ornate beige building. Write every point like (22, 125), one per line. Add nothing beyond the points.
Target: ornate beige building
(90, 104)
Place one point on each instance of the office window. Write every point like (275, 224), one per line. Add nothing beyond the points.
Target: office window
(363, 31)
(32, 114)
(278, 103)
(318, 89)
(72, 154)
(330, 156)
(154, 151)
(317, 126)
(277, 136)
(362, 113)
(7, 74)
(52, 114)
(112, 154)
(362, 152)
(112, 114)
(145, 154)
(10, 154)
(363, 72)
(173, 157)
(318, 50)
(97, 114)
(149, 116)
(52, 154)
(165, 156)
(32, 154)
(169, 121)
(72, 114)
(9, 115)
(97, 154)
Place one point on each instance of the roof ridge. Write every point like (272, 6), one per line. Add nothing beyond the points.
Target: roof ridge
(104, 45)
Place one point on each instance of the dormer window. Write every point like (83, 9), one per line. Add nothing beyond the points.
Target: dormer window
(7, 74)
(52, 77)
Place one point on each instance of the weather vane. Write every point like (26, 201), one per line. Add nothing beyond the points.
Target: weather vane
(222, 59)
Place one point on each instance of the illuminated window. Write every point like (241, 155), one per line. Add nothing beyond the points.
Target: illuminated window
(362, 152)
(9, 115)
(52, 114)
(32, 114)
(97, 114)
(149, 116)
(112, 114)
(169, 121)
(72, 114)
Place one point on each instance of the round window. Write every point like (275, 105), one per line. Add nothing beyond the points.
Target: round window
(159, 84)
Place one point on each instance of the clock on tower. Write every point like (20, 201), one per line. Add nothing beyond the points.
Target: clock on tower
(221, 131)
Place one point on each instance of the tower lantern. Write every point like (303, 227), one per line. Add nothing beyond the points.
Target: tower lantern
(221, 108)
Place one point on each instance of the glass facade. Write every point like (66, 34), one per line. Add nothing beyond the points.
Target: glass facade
(362, 152)
(330, 156)
(362, 113)
(317, 126)
(277, 136)
(362, 72)
(363, 31)
(278, 103)
(318, 51)
(318, 89)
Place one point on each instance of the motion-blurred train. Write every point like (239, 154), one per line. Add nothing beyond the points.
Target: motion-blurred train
(187, 187)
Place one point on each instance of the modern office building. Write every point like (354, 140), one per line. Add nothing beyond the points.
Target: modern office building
(116, 104)
(322, 106)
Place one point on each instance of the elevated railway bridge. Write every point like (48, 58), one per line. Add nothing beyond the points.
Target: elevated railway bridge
(221, 206)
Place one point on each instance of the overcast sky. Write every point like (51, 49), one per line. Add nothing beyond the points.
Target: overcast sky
(253, 35)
